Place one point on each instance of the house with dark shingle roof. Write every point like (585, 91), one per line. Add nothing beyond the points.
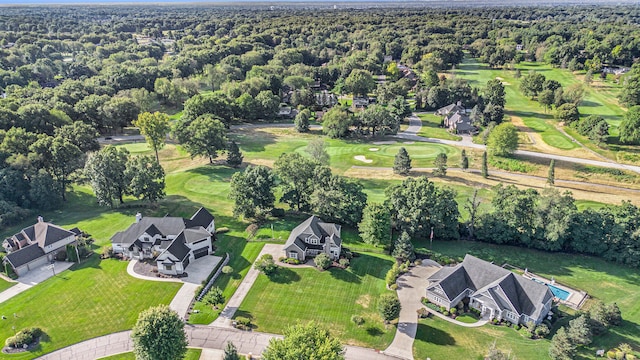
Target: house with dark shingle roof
(313, 237)
(37, 245)
(497, 292)
(172, 241)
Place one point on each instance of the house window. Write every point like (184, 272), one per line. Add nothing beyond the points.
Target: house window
(293, 255)
(312, 240)
(168, 267)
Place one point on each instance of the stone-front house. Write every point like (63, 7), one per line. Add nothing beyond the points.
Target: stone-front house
(313, 237)
(172, 241)
(459, 123)
(450, 109)
(37, 245)
(498, 293)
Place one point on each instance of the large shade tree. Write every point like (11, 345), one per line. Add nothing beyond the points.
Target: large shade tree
(159, 334)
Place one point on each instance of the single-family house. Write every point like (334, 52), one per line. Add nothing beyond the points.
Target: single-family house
(313, 237)
(450, 109)
(497, 292)
(172, 241)
(459, 123)
(360, 102)
(37, 245)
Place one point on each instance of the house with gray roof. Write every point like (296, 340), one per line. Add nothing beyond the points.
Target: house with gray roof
(313, 237)
(459, 123)
(497, 292)
(37, 245)
(451, 108)
(172, 241)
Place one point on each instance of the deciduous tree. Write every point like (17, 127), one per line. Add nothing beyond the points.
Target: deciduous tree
(389, 307)
(503, 140)
(106, 172)
(252, 191)
(310, 341)
(155, 128)
(207, 136)
(147, 178)
(375, 227)
(159, 334)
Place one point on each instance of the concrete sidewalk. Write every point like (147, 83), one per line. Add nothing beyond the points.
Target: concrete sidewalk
(32, 278)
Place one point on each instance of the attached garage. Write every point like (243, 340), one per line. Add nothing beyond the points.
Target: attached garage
(201, 252)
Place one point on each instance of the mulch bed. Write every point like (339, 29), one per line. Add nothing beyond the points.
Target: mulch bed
(11, 350)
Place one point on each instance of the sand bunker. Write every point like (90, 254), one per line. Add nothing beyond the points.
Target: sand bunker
(384, 142)
(373, 149)
(363, 159)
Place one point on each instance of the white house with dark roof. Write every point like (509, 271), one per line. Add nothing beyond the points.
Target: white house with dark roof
(497, 292)
(313, 237)
(172, 241)
(37, 245)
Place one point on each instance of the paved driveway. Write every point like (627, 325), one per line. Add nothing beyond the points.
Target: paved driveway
(33, 277)
(411, 288)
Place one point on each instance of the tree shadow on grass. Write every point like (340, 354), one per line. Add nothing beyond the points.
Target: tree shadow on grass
(365, 264)
(253, 140)
(284, 276)
(374, 330)
(435, 336)
(344, 275)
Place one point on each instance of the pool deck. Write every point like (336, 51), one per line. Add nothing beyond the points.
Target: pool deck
(576, 297)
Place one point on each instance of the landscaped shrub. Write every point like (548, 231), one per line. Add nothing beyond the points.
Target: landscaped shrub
(357, 319)
(24, 337)
(243, 323)
(542, 330)
(227, 269)
(347, 253)
(394, 273)
(424, 300)
(443, 309)
(433, 306)
(344, 262)
(446, 313)
(388, 307)
(222, 230)
(393, 287)
(266, 265)
(214, 297)
(290, 261)
(423, 313)
(454, 311)
(322, 261)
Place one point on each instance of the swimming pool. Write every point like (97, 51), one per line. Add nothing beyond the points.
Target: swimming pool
(557, 292)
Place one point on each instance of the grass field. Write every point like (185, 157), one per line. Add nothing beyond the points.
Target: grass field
(93, 299)
(441, 340)
(600, 279)
(192, 354)
(329, 297)
(4, 285)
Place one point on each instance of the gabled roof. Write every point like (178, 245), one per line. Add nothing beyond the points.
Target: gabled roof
(25, 255)
(510, 291)
(202, 217)
(195, 234)
(445, 110)
(165, 226)
(178, 249)
(314, 226)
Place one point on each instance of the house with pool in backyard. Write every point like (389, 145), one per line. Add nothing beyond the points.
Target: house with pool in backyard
(172, 241)
(496, 292)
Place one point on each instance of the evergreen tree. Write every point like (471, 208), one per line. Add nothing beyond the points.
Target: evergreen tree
(485, 167)
(464, 160)
(234, 155)
(375, 226)
(440, 164)
(230, 352)
(403, 249)
(402, 162)
(301, 121)
(561, 346)
(580, 331)
(551, 178)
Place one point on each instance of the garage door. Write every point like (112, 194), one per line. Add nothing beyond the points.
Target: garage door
(185, 262)
(200, 252)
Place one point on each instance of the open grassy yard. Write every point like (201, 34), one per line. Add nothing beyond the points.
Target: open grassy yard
(4, 285)
(330, 297)
(93, 299)
(602, 280)
(192, 354)
(441, 340)
(431, 127)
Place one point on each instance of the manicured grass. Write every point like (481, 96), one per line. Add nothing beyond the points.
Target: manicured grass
(441, 340)
(90, 300)
(243, 254)
(330, 297)
(467, 318)
(431, 128)
(4, 285)
(192, 354)
(602, 280)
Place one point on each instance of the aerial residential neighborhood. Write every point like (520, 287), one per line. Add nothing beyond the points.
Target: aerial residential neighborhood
(307, 180)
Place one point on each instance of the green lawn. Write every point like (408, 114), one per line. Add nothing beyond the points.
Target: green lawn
(4, 285)
(329, 297)
(192, 354)
(441, 340)
(90, 300)
(467, 318)
(602, 280)
(431, 128)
